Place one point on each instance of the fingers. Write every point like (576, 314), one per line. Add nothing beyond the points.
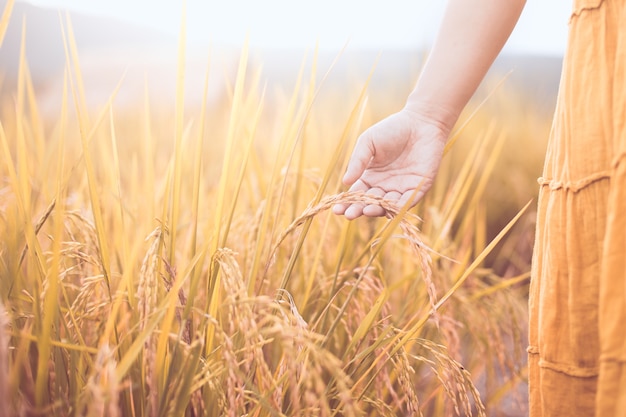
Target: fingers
(370, 210)
(361, 156)
(352, 211)
(375, 210)
(340, 209)
(355, 210)
(415, 195)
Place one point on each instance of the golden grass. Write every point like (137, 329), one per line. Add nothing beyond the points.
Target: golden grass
(4, 355)
(4, 20)
(197, 269)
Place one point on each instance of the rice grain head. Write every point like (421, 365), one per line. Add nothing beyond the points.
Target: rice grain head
(101, 396)
(147, 300)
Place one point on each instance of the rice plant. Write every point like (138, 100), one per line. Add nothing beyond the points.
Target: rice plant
(186, 262)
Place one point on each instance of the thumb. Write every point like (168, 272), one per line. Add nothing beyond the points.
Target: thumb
(361, 156)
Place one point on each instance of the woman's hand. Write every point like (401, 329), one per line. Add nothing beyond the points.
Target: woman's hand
(401, 154)
(392, 159)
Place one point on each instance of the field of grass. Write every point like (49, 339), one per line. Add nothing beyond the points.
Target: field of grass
(173, 260)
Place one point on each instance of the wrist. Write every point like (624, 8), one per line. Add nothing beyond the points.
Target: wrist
(432, 113)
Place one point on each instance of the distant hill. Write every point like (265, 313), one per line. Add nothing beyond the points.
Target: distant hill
(44, 42)
(535, 76)
(110, 49)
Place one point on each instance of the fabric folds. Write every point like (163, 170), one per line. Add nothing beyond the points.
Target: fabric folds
(577, 334)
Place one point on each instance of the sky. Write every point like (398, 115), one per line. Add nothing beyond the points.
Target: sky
(330, 23)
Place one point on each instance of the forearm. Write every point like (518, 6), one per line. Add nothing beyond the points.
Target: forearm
(470, 37)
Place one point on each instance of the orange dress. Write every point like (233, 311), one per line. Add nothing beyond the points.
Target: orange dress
(577, 351)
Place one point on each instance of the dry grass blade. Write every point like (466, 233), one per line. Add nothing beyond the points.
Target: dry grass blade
(480, 258)
(220, 231)
(4, 361)
(51, 294)
(162, 360)
(31, 239)
(352, 121)
(457, 133)
(368, 322)
(20, 183)
(71, 56)
(462, 188)
(230, 149)
(81, 109)
(71, 59)
(236, 185)
(40, 223)
(196, 191)
(4, 21)
(263, 233)
(503, 284)
(178, 144)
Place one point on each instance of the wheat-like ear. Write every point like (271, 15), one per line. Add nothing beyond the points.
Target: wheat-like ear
(147, 301)
(454, 378)
(102, 392)
(398, 215)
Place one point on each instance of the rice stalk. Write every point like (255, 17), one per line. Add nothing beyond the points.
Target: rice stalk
(52, 283)
(354, 116)
(96, 209)
(181, 392)
(487, 169)
(72, 62)
(456, 134)
(299, 136)
(149, 153)
(78, 91)
(126, 291)
(242, 321)
(220, 235)
(195, 198)
(481, 257)
(454, 379)
(462, 187)
(263, 231)
(405, 339)
(101, 395)
(147, 300)
(4, 362)
(6, 16)
(36, 122)
(398, 214)
(20, 182)
(500, 285)
(178, 131)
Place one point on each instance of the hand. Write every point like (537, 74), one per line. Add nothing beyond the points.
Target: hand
(392, 159)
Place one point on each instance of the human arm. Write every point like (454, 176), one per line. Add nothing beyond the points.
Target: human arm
(402, 153)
